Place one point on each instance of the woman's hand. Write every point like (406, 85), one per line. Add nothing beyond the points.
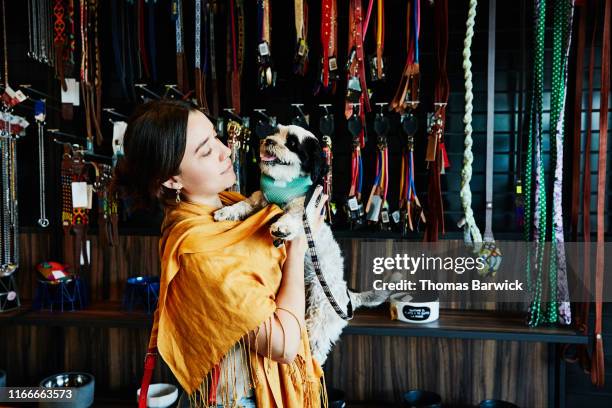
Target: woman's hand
(316, 207)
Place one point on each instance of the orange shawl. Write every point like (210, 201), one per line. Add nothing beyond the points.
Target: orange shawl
(218, 283)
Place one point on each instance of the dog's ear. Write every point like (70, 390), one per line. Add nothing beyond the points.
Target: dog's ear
(315, 164)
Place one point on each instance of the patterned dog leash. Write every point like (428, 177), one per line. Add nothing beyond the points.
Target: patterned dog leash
(317, 266)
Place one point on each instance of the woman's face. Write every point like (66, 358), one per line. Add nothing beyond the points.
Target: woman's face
(206, 168)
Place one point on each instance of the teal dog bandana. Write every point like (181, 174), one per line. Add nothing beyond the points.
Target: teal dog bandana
(281, 192)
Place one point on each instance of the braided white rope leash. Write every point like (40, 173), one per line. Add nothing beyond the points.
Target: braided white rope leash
(471, 233)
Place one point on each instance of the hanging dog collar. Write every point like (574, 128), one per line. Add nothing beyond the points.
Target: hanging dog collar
(280, 192)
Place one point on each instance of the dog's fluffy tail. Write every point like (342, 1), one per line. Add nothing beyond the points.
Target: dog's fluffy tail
(371, 298)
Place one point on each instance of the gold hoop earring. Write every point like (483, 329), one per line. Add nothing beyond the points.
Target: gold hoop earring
(178, 195)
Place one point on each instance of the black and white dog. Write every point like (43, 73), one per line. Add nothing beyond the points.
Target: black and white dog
(291, 162)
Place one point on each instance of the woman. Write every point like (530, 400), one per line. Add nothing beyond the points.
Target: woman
(230, 316)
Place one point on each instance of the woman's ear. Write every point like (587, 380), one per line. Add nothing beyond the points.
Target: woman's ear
(172, 183)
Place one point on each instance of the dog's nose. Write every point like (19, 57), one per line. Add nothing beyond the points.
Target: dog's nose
(269, 142)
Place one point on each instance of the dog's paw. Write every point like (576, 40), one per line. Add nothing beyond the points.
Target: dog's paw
(285, 228)
(227, 214)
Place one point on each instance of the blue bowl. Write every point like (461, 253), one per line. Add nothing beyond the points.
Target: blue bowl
(422, 399)
(493, 403)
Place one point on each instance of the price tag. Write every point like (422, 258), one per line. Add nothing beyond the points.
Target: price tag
(384, 215)
(396, 216)
(81, 194)
(263, 49)
(375, 206)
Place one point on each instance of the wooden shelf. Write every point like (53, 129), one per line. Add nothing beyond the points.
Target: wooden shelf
(461, 324)
(98, 314)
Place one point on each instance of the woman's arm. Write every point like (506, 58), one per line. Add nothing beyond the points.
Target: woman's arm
(282, 346)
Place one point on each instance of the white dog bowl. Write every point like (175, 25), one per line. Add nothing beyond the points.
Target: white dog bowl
(160, 395)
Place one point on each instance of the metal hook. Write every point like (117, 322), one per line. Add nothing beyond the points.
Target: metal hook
(144, 88)
(381, 105)
(326, 107)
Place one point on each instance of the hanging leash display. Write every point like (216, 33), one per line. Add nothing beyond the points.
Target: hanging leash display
(377, 208)
(377, 68)
(357, 91)
(40, 115)
(436, 152)
(40, 37)
(563, 19)
(407, 94)
(300, 60)
(91, 71)
(235, 51)
(59, 40)
(592, 364)
(598, 369)
(410, 213)
(327, 129)
(211, 12)
(533, 153)
(329, 74)
(471, 232)
(182, 79)
(266, 74)
(487, 248)
(200, 68)
(558, 307)
(12, 128)
(354, 207)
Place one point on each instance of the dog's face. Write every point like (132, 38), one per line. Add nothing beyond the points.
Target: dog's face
(292, 152)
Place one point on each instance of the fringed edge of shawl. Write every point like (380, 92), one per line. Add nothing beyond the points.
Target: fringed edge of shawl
(314, 391)
(201, 396)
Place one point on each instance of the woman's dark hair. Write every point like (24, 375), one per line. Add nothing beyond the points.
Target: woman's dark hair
(153, 146)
